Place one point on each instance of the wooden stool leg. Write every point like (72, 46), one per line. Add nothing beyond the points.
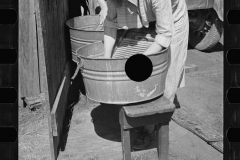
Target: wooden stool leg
(125, 136)
(163, 142)
(126, 148)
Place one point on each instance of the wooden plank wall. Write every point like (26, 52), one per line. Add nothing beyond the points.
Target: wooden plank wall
(28, 55)
(45, 56)
(51, 20)
(54, 14)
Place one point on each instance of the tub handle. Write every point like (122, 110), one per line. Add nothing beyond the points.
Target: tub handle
(80, 62)
(79, 66)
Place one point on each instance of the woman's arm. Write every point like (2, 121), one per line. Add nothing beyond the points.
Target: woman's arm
(109, 16)
(103, 12)
(154, 48)
(164, 26)
(109, 40)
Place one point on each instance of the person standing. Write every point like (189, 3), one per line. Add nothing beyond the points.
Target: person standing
(172, 28)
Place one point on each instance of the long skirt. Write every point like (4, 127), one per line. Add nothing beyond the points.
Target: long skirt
(177, 57)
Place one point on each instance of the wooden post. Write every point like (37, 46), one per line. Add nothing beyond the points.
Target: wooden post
(125, 137)
(28, 51)
(54, 66)
(43, 72)
(163, 142)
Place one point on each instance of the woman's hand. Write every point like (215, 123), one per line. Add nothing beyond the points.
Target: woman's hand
(154, 48)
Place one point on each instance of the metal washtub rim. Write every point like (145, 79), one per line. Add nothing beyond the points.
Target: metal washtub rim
(77, 29)
(80, 42)
(101, 76)
(79, 17)
(155, 68)
(88, 58)
(165, 51)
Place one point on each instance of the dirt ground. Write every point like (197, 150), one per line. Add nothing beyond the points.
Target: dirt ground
(100, 139)
(94, 132)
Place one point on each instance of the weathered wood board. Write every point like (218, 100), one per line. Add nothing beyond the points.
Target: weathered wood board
(52, 17)
(28, 54)
(44, 52)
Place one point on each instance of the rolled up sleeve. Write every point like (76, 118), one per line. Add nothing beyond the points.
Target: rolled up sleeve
(164, 22)
(111, 19)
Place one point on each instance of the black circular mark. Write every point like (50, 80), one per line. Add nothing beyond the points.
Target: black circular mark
(138, 67)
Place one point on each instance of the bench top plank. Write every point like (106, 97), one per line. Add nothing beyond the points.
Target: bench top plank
(160, 105)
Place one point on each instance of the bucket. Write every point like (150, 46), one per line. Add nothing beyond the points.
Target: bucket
(105, 80)
(82, 32)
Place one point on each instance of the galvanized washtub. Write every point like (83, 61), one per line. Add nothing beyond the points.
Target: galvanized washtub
(85, 30)
(105, 80)
(82, 31)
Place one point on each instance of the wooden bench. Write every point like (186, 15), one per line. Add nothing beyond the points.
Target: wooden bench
(158, 111)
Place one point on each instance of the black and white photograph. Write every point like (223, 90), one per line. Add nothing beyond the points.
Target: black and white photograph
(121, 80)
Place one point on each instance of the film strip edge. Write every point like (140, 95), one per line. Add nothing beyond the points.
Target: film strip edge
(9, 80)
(231, 87)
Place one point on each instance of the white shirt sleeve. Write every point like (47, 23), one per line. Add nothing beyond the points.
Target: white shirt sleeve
(164, 22)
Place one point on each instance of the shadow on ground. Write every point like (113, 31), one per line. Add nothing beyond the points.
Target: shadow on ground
(105, 118)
